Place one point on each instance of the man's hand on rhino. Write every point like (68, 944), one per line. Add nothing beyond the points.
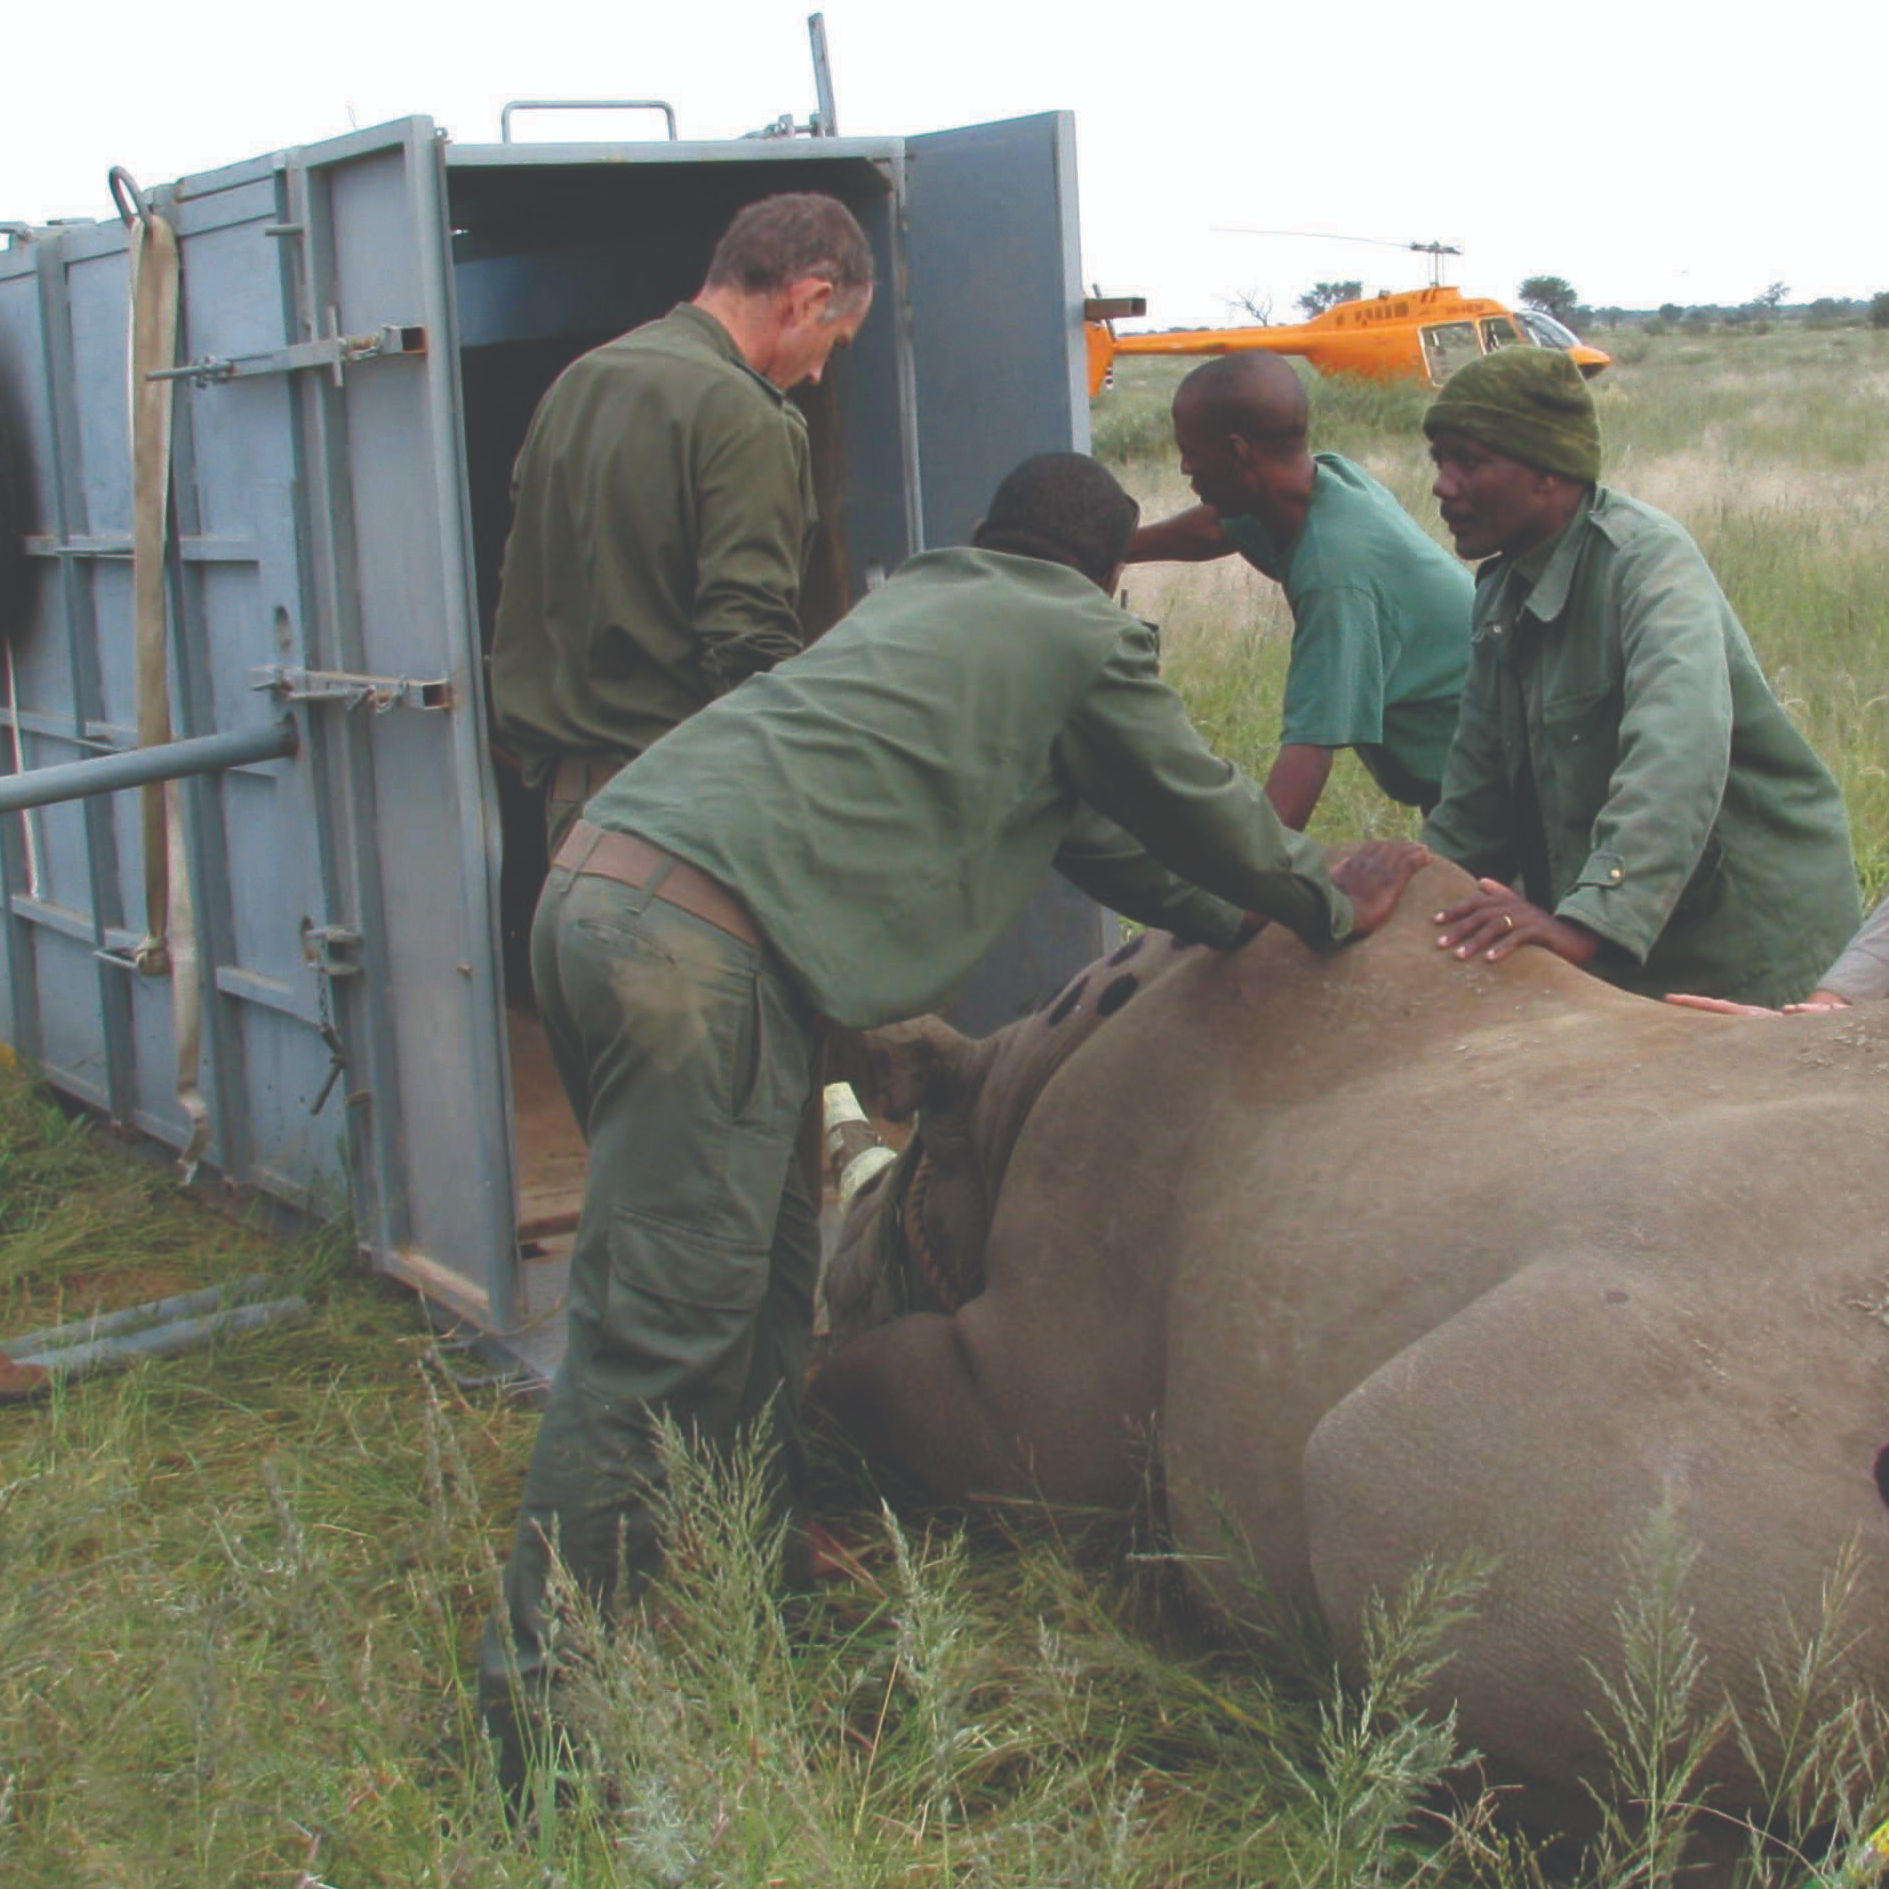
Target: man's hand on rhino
(1816, 1002)
(1495, 920)
(1373, 878)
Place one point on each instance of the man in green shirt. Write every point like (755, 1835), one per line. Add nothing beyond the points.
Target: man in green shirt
(1380, 611)
(1618, 750)
(844, 837)
(664, 504)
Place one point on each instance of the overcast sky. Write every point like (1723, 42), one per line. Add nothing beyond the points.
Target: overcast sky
(1647, 150)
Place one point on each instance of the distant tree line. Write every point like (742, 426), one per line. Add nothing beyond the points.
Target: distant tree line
(1556, 296)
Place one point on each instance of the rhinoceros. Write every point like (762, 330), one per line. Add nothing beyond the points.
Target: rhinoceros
(1385, 1256)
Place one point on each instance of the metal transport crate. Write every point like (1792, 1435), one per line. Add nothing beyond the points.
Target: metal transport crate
(365, 328)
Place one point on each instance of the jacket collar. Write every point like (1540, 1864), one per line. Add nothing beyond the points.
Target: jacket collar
(1538, 582)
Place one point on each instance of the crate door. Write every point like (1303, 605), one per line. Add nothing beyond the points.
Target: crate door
(994, 264)
(999, 372)
(358, 979)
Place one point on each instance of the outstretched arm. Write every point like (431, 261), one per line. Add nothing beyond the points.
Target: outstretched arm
(1189, 537)
(1297, 780)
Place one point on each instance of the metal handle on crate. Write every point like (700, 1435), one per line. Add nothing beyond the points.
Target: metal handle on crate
(585, 105)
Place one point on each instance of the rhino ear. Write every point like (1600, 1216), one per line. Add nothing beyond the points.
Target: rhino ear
(909, 1066)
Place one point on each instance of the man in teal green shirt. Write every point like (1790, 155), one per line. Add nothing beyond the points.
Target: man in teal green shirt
(1380, 611)
(1619, 752)
(664, 504)
(844, 837)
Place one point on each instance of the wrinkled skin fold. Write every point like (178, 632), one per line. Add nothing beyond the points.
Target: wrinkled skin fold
(1387, 1256)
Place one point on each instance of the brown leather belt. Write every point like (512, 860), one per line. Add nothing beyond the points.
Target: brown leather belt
(578, 780)
(631, 860)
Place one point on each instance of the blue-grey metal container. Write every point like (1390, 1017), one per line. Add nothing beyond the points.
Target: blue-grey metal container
(370, 323)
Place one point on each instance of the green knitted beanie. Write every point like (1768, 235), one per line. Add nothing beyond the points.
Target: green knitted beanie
(1530, 404)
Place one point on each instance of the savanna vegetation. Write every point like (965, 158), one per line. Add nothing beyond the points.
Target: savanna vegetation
(239, 1588)
(1772, 450)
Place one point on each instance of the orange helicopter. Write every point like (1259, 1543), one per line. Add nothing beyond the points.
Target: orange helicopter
(1414, 334)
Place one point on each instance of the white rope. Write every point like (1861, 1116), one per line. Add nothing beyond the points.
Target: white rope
(169, 946)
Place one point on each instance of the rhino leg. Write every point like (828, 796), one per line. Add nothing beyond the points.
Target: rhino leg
(1548, 1424)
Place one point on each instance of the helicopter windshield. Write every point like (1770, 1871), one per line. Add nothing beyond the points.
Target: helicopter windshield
(1499, 333)
(1545, 331)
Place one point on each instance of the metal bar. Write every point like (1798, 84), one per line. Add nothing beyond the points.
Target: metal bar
(193, 550)
(159, 1311)
(159, 1341)
(170, 760)
(332, 685)
(826, 124)
(330, 353)
(340, 767)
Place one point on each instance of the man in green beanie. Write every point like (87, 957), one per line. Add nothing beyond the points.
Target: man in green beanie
(1618, 754)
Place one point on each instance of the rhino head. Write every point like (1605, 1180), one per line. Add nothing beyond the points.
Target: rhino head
(913, 1236)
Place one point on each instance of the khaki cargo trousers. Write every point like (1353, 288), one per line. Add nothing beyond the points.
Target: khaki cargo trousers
(687, 1056)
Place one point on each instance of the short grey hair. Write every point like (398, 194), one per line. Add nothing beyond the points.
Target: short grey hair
(782, 240)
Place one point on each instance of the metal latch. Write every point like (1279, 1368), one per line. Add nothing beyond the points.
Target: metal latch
(380, 693)
(333, 352)
(332, 950)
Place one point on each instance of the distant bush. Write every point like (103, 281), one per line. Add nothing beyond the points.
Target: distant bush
(1635, 348)
(1130, 424)
(1879, 310)
(1379, 406)
(1826, 312)
(1697, 325)
(1653, 326)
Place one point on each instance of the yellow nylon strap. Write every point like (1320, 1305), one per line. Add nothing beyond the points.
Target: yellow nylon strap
(169, 945)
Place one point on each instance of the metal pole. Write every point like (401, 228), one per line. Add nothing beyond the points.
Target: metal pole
(155, 1341)
(158, 1312)
(828, 125)
(138, 767)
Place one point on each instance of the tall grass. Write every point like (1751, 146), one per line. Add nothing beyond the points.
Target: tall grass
(242, 1588)
(1772, 450)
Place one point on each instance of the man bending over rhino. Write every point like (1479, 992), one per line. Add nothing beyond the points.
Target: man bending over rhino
(1380, 611)
(843, 837)
(1618, 750)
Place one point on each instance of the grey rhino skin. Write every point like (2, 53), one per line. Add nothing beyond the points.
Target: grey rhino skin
(1388, 1257)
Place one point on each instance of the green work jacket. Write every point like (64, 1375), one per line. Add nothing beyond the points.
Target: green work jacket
(1380, 629)
(885, 803)
(664, 510)
(1619, 750)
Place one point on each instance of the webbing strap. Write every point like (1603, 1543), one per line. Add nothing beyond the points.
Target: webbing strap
(169, 946)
